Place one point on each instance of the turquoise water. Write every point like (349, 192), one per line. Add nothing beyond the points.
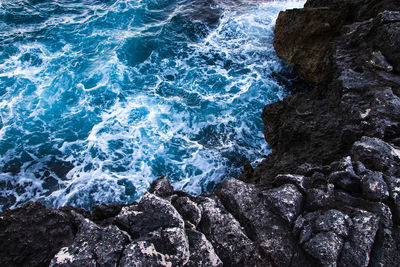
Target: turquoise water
(99, 98)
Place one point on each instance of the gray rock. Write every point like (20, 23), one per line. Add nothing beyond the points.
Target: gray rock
(143, 254)
(201, 251)
(320, 197)
(272, 233)
(188, 209)
(344, 176)
(161, 187)
(374, 187)
(92, 246)
(377, 155)
(357, 249)
(286, 200)
(325, 247)
(302, 182)
(151, 214)
(226, 234)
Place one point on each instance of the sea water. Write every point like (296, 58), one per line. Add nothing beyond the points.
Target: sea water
(100, 97)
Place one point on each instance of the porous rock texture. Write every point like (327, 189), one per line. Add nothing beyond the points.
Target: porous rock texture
(327, 195)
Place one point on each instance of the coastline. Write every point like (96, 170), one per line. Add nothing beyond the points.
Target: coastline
(327, 195)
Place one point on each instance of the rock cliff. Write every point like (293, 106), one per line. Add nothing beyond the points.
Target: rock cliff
(328, 195)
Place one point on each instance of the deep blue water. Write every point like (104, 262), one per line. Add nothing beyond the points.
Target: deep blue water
(99, 98)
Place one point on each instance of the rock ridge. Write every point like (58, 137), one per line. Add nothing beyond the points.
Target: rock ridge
(328, 194)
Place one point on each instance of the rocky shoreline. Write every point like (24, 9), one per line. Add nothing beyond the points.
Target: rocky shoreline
(328, 195)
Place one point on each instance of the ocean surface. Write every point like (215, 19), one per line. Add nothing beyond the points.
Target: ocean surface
(100, 97)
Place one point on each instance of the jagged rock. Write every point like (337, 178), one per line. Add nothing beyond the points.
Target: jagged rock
(161, 187)
(302, 182)
(151, 213)
(201, 251)
(31, 234)
(93, 245)
(345, 177)
(188, 210)
(374, 187)
(325, 247)
(377, 155)
(317, 198)
(226, 234)
(143, 254)
(286, 200)
(270, 231)
(357, 248)
(318, 26)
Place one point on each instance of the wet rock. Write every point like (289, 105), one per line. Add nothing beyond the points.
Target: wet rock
(380, 62)
(161, 187)
(286, 200)
(31, 234)
(201, 251)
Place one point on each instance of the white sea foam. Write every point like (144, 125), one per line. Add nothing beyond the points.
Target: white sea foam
(193, 117)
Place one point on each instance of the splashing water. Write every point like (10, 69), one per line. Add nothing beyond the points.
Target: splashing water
(99, 98)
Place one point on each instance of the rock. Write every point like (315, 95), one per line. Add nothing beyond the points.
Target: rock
(272, 233)
(380, 62)
(201, 251)
(300, 181)
(143, 254)
(345, 177)
(317, 198)
(325, 247)
(151, 213)
(227, 236)
(31, 234)
(188, 210)
(357, 248)
(286, 201)
(377, 155)
(161, 187)
(374, 187)
(318, 26)
(92, 246)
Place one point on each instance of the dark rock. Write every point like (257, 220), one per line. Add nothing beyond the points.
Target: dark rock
(325, 247)
(286, 201)
(150, 214)
(161, 187)
(201, 251)
(271, 232)
(357, 247)
(143, 254)
(374, 187)
(317, 198)
(188, 210)
(31, 234)
(227, 236)
(93, 245)
(300, 181)
(345, 177)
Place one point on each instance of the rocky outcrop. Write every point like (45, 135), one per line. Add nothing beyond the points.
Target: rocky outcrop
(328, 194)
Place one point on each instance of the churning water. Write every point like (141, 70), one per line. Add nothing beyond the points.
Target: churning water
(100, 97)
